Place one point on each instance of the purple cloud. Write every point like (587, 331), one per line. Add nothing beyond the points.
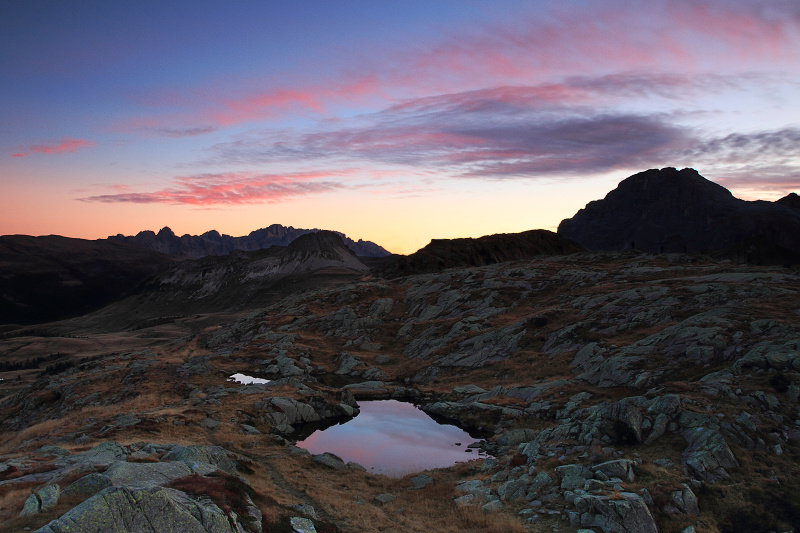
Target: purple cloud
(233, 188)
(502, 132)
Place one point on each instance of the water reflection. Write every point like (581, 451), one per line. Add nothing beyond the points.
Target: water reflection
(248, 380)
(393, 438)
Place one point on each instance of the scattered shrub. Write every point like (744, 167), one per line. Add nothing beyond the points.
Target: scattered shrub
(780, 382)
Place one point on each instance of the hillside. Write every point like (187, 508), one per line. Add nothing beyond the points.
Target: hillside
(235, 282)
(442, 254)
(51, 277)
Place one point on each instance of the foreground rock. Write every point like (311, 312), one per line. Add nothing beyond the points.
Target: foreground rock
(145, 510)
(150, 497)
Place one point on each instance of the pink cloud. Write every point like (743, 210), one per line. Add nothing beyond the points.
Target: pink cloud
(753, 30)
(233, 188)
(314, 98)
(619, 37)
(504, 132)
(65, 145)
(595, 40)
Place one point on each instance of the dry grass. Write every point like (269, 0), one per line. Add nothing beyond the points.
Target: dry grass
(14, 523)
(12, 498)
(345, 497)
(37, 431)
(228, 492)
(148, 402)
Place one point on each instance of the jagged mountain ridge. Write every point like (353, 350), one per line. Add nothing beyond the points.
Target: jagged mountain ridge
(670, 210)
(214, 243)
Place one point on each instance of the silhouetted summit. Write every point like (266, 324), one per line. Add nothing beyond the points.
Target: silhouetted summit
(325, 244)
(790, 200)
(670, 210)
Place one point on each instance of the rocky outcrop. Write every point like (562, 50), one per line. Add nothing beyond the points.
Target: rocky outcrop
(156, 496)
(668, 210)
(143, 510)
(284, 414)
(213, 243)
(625, 513)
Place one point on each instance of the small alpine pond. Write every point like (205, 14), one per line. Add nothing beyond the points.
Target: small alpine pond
(394, 438)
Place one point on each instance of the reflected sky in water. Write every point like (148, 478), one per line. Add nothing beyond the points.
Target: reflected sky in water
(393, 438)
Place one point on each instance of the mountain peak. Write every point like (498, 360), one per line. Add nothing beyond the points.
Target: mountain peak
(790, 200)
(670, 210)
(166, 232)
(324, 243)
(657, 185)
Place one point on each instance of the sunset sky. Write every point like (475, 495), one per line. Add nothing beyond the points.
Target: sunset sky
(395, 122)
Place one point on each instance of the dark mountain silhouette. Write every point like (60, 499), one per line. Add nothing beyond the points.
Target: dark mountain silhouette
(213, 243)
(790, 200)
(52, 277)
(670, 210)
(441, 254)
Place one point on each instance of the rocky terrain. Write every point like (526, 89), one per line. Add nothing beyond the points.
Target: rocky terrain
(621, 392)
(213, 243)
(671, 210)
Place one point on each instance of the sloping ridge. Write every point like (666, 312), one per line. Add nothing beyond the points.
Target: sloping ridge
(442, 254)
(670, 210)
(214, 243)
(321, 249)
(790, 200)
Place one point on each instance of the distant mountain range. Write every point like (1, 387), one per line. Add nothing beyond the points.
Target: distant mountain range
(670, 210)
(213, 243)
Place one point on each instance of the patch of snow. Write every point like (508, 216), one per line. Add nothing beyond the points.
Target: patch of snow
(248, 380)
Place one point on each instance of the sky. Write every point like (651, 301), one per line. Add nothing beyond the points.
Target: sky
(395, 122)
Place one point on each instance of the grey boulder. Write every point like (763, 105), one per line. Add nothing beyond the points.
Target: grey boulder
(143, 510)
